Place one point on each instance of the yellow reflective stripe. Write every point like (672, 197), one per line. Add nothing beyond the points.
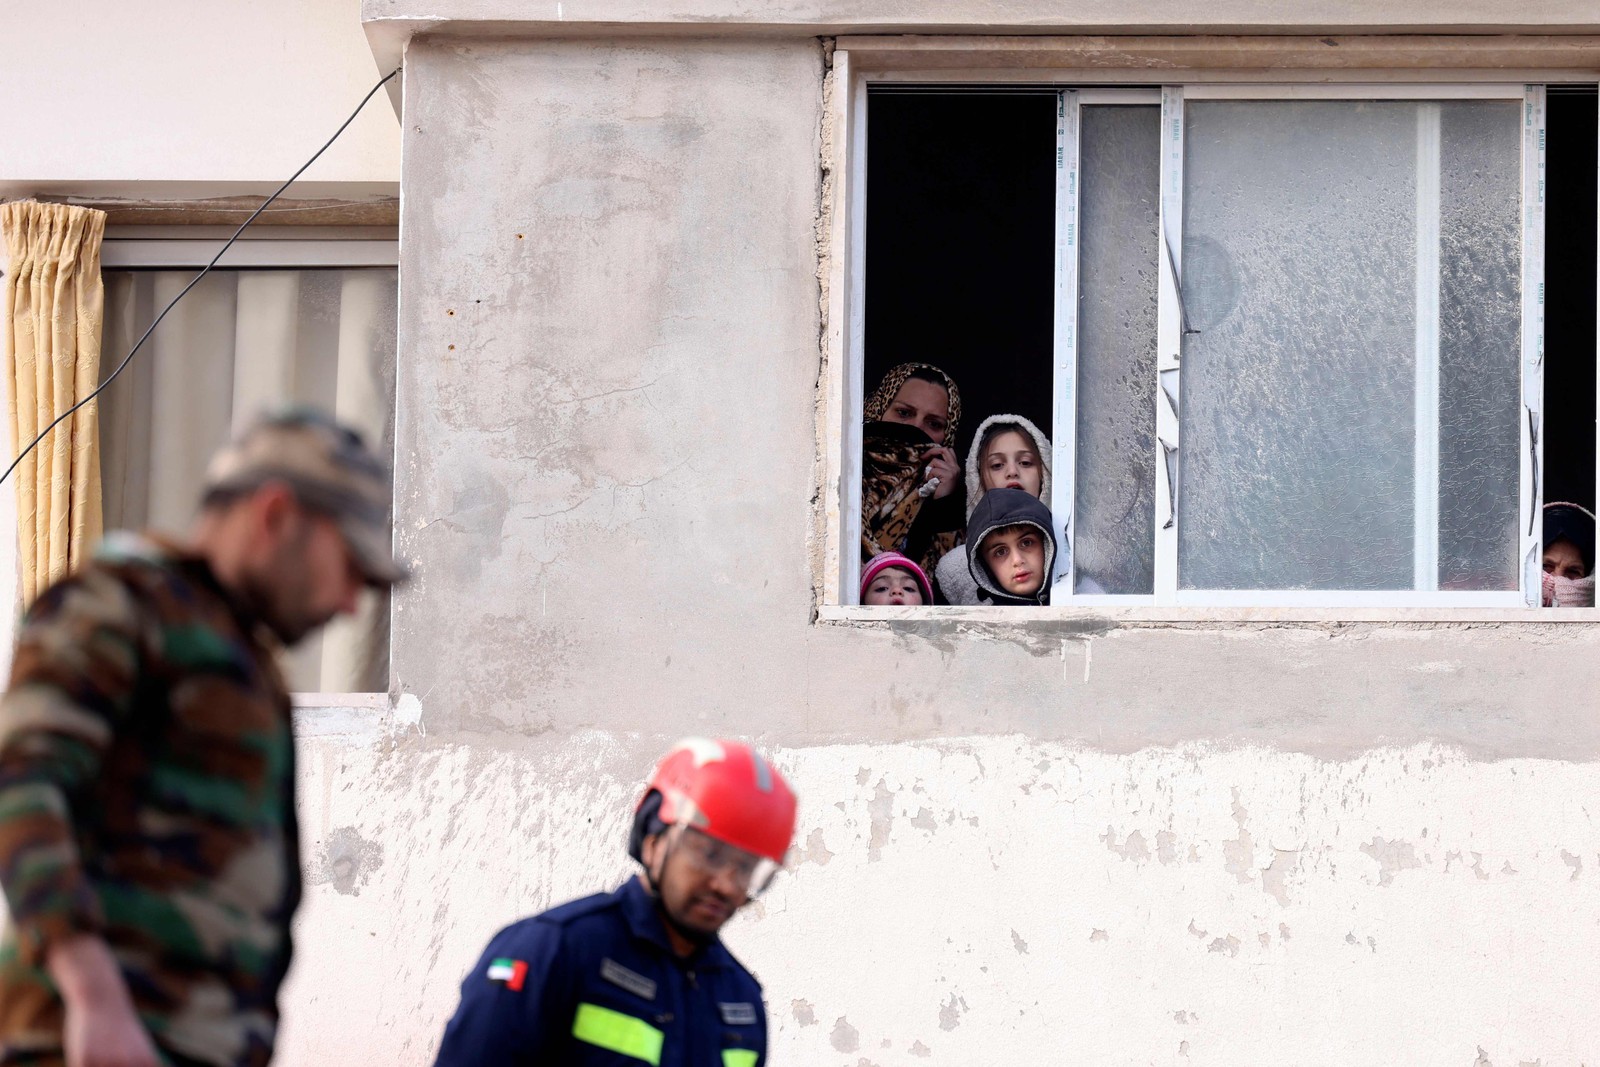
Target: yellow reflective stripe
(617, 1032)
(739, 1057)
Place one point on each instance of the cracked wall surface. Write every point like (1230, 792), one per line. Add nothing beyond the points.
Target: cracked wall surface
(1222, 844)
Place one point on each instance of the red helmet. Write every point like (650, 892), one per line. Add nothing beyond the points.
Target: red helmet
(727, 791)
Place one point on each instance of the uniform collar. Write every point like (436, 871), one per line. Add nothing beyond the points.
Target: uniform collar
(645, 924)
(121, 546)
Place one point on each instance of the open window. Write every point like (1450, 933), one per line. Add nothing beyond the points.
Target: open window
(1570, 287)
(1288, 342)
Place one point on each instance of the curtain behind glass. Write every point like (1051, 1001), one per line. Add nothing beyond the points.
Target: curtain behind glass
(242, 340)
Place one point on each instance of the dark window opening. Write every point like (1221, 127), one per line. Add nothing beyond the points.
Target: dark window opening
(1569, 272)
(960, 246)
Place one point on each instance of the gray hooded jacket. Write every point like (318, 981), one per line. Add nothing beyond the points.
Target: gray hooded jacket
(998, 509)
(952, 573)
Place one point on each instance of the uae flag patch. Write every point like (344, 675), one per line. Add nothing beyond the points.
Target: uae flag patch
(510, 972)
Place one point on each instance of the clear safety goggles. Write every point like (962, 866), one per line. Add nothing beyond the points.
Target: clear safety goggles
(706, 854)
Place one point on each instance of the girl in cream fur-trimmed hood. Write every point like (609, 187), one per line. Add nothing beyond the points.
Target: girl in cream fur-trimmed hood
(1008, 452)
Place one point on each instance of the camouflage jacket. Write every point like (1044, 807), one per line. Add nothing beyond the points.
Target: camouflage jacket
(147, 796)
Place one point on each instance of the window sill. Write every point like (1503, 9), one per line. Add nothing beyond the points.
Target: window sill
(1053, 615)
(340, 700)
(347, 716)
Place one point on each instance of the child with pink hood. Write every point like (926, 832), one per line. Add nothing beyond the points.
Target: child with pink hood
(890, 579)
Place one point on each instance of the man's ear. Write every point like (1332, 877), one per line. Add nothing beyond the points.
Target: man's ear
(649, 850)
(273, 505)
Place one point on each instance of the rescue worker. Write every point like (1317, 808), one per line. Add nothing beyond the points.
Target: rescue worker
(640, 975)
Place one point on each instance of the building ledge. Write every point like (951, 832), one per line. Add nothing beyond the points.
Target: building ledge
(391, 24)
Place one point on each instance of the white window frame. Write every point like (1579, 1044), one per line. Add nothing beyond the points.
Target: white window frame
(277, 247)
(191, 247)
(845, 363)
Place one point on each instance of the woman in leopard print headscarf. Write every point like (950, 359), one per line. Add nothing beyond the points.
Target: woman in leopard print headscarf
(911, 492)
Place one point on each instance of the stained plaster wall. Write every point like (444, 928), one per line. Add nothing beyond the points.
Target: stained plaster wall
(1069, 843)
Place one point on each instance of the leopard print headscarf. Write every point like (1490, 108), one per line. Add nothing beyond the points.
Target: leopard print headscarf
(882, 396)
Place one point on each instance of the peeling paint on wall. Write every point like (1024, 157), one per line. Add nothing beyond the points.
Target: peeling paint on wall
(950, 1012)
(1392, 856)
(345, 861)
(981, 937)
(844, 1036)
(881, 810)
(1229, 944)
(1275, 875)
(816, 849)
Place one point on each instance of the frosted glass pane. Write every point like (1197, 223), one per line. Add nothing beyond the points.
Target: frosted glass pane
(1480, 294)
(1119, 171)
(1299, 268)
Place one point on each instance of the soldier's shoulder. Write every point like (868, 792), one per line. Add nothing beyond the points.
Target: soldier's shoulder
(104, 591)
(125, 568)
(138, 559)
(166, 584)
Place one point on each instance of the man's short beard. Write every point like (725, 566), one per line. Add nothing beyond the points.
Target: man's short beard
(689, 933)
(262, 591)
(256, 597)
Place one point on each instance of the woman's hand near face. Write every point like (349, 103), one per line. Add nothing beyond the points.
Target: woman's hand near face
(942, 465)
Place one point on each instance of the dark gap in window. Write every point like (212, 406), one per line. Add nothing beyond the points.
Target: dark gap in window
(960, 246)
(1569, 272)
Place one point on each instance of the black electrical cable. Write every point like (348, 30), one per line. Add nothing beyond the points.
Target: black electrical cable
(196, 279)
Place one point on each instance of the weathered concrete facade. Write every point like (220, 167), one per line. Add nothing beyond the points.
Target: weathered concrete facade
(1086, 841)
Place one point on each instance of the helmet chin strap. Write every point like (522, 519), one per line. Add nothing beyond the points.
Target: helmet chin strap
(695, 937)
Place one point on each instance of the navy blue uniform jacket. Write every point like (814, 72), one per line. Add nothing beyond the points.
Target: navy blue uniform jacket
(595, 983)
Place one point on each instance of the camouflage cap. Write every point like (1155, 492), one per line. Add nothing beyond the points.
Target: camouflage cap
(330, 469)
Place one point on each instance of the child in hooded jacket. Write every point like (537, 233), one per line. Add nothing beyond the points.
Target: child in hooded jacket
(1011, 548)
(1008, 452)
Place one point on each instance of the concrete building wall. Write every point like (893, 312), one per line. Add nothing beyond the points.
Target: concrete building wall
(1044, 843)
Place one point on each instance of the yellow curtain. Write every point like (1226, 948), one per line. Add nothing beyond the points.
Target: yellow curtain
(50, 343)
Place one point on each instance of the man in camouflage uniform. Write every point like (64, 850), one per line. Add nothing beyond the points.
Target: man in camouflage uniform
(148, 844)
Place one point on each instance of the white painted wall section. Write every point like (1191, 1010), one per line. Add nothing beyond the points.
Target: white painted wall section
(988, 900)
(188, 91)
